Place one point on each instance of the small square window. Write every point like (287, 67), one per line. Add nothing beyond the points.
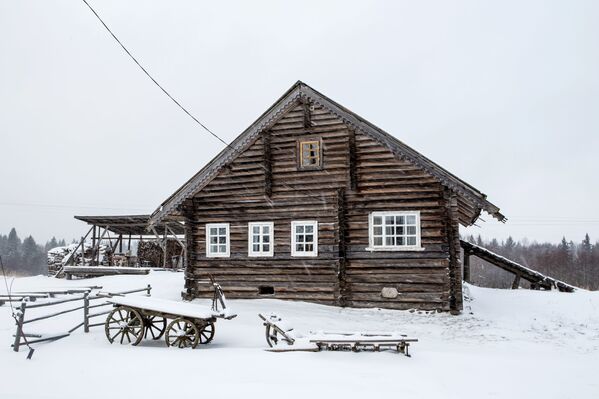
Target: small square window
(304, 238)
(310, 154)
(217, 240)
(260, 235)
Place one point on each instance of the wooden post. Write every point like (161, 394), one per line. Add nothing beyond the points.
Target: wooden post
(516, 282)
(19, 333)
(82, 251)
(86, 312)
(467, 266)
(353, 175)
(267, 163)
(342, 243)
(120, 243)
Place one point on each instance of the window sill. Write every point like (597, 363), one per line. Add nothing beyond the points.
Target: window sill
(395, 249)
(218, 256)
(260, 255)
(300, 255)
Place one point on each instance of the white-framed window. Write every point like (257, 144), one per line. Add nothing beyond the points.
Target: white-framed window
(394, 231)
(260, 239)
(304, 238)
(217, 240)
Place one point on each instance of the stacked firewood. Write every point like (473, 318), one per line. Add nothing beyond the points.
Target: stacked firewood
(149, 253)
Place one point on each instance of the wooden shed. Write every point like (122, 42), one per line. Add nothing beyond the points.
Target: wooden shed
(314, 203)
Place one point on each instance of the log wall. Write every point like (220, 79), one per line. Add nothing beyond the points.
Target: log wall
(358, 176)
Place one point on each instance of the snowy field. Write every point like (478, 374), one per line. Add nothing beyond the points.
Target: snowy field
(506, 344)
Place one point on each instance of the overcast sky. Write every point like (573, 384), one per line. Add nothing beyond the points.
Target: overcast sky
(503, 94)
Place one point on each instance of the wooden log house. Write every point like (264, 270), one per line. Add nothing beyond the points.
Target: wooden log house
(314, 203)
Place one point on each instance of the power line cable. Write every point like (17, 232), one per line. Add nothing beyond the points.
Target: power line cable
(152, 78)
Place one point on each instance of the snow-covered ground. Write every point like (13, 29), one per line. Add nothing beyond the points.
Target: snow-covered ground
(507, 344)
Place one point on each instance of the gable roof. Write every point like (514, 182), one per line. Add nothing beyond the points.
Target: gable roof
(302, 92)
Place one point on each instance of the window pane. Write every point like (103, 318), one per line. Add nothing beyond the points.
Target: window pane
(411, 219)
(400, 241)
(411, 229)
(299, 238)
(400, 230)
(400, 219)
(222, 240)
(256, 229)
(411, 240)
(377, 230)
(266, 247)
(299, 247)
(309, 247)
(389, 230)
(309, 238)
(213, 240)
(377, 220)
(299, 229)
(266, 239)
(265, 229)
(255, 238)
(378, 241)
(213, 231)
(222, 231)
(389, 219)
(309, 229)
(213, 249)
(390, 241)
(222, 248)
(256, 247)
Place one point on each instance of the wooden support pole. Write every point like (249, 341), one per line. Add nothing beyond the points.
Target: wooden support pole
(516, 282)
(467, 266)
(120, 243)
(82, 243)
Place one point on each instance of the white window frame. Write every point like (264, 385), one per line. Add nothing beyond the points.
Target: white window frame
(227, 234)
(312, 223)
(372, 247)
(271, 242)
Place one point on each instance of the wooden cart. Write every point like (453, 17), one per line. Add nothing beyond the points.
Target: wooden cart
(184, 325)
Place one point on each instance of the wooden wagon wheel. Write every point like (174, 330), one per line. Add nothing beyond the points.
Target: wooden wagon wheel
(206, 333)
(124, 325)
(155, 326)
(182, 333)
(272, 336)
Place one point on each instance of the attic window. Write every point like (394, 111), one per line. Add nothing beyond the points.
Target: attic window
(310, 154)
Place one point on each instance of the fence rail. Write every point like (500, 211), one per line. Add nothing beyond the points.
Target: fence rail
(21, 338)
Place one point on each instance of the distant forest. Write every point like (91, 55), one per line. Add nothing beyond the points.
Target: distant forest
(25, 257)
(574, 263)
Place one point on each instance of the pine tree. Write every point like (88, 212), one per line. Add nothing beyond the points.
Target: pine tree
(51, 244)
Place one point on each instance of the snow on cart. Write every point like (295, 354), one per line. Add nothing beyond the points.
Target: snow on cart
(184, 325)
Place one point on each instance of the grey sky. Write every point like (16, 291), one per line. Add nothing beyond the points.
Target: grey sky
(503, 94)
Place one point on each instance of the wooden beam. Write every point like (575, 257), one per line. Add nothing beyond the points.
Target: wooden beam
(352, 160)
(342, 244)
(307, 115)
(516, 282)
(267, 153)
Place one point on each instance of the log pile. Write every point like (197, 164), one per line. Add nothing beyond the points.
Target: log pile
(149, 253)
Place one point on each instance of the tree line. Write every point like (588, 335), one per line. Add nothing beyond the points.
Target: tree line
(571, 262)
(25, 257)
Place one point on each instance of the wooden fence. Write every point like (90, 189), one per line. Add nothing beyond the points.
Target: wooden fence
(22, 338)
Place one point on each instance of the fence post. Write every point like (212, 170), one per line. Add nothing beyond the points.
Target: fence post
(19, 332)
(86, 312)
(149, 289)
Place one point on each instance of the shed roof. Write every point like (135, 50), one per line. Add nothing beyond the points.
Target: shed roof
(131, 224)
(468, 196)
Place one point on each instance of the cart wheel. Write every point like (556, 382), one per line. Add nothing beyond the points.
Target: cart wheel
(272, 337)
(206, 333)
(155, 326)
(124, 325)
(182, 333)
